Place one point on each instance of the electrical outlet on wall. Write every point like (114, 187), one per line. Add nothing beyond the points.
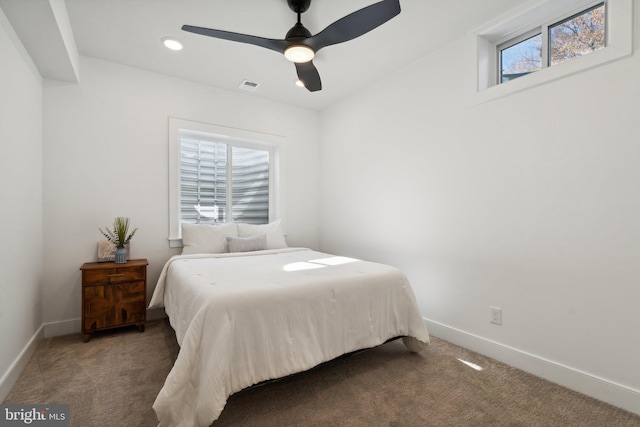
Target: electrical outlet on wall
(496, 315)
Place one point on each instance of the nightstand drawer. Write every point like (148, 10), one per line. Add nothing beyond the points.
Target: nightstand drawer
(113, 275)
(112, 305)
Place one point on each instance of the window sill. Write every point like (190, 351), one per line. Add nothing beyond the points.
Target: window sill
(548, 75)
(175, 242)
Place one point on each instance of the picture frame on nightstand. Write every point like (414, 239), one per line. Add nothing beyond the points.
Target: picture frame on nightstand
(107, 251)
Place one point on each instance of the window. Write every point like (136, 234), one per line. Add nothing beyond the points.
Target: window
(552, 44)
(577, 35)
(567, 37)
(221, 175)
(520, 57)
(217, 178)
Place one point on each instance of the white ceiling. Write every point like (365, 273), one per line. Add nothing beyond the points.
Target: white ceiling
(130, 31)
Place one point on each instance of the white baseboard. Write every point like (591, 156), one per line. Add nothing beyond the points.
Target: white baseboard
(599, 388)
(13, 373)
(62, 327)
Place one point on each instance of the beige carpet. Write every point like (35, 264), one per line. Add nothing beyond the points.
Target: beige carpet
(113, 381)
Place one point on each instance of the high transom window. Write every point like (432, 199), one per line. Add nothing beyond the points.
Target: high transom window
(552, 43)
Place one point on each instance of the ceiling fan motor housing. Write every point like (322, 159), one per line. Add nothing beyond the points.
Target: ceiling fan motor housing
(297, 33)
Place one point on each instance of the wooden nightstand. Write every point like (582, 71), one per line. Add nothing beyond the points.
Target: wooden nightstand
(113, 295)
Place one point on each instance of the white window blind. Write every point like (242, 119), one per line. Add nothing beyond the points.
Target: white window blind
(203, 181)
(218, 178)
(250, 185)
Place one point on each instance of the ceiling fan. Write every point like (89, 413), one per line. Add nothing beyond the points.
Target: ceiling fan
(299, 46)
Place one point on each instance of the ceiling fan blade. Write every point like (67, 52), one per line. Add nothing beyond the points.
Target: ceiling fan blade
(355, 24)
(273, 44)
(308, 74)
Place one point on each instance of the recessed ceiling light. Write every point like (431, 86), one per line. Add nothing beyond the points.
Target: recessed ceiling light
(172, 44)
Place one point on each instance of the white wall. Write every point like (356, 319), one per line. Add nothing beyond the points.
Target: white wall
(20, 205)
(106, 155)
(530, 203)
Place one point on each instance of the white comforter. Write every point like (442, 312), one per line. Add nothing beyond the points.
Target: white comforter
(244, 318)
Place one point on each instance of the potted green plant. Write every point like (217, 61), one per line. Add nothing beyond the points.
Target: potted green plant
(119, 236)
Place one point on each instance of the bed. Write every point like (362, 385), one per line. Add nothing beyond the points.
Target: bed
(245, 317)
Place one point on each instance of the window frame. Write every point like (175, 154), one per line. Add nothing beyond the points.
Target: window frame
(619, 44)
(544, 30)
(233, 137)
(548, 28)
(512, 42)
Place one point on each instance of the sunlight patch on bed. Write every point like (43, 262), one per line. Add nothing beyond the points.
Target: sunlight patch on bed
(299, 266)
(472, 365)
(334, 260)
(318, 263)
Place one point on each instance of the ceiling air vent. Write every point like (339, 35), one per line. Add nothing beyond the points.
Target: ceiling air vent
(249, 86)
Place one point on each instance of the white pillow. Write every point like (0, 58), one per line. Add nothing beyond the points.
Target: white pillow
(206, 238)
(247, 244)
(275, 237)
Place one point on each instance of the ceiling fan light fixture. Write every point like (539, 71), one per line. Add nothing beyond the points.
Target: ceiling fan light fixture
(299, 45)
(299, 53)
(172, 44)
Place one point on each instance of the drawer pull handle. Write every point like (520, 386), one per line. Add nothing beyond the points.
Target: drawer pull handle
(115, 275)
